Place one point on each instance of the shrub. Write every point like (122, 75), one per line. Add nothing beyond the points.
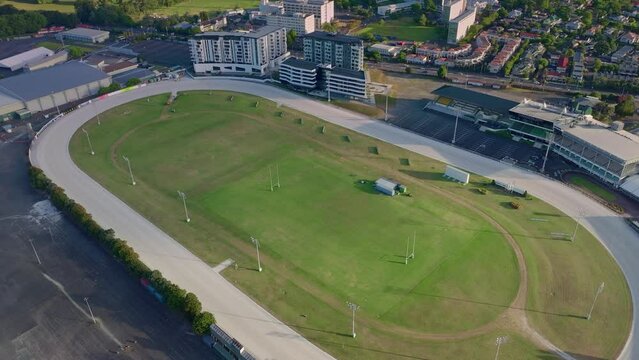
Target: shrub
(202, 322)
(192, 305)
(515, 205)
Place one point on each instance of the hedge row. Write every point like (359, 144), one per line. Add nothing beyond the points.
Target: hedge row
(176, 297)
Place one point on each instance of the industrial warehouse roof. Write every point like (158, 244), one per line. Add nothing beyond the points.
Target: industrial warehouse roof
(323, 35)
(478, 99)
(265, 30)
(302, 64)
(39, 83)
(85, 32)
(17, 61)
(620, 144)
(6, 99)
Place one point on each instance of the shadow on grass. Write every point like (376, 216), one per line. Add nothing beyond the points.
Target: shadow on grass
(366, 186)
(549, 355)
(379, 351)
(424, 175)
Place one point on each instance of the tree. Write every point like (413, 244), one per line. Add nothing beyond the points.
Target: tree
(569, 53)
(402, 56)
(408, 70)
(597, 65)
(75, 52)
(192, 305)
(375, 55)
(626, 107)
(542, 64)
(202, 322)
(329, 27)
(132, 82)
(442, 73)
(422, 21)
(429, 5)
(291, 36)
(416, 7)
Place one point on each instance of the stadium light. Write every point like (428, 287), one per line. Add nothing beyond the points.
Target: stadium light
(55, 103)
(130, 171)
(407, 245)
(97, 114)
(455, 131)
(412, 255)
(499, 342)
(386, 108)
(600, 289)
(186, 212)
(257, 248)
(35, 252)
(574, 233)
(551, 138)
(89, 140)
(277, 171)
(270, 177)
(86, 300)
(354, 307)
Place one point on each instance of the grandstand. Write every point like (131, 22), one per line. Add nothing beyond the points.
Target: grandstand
(472, 105)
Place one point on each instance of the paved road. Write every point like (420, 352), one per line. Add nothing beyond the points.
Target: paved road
(260, 332)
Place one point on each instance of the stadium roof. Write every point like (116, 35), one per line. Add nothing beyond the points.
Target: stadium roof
(488, 102)
(6, 99)
(19, 60)
(39, 83)
(544, 112)
(620, 144)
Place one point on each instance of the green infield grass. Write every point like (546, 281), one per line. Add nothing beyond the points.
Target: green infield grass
(405, 29)
(592, 187)
(328, 237)
(64, 6)
(196, 6)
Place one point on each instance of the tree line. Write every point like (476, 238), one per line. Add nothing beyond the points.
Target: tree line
(14, 22)
(174, 296)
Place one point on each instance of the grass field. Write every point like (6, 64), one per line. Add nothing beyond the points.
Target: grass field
(64, 6)
(196, 6)
(327, 238)
(405, 29)
(593, 188)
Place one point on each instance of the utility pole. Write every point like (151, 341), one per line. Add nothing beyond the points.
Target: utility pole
(89, 140)
(600, 289)
(130, 171)
(412, 255)
(499, 342)
(455, 131)
(574, 233)
(257, 248)
(270, 177)
(407, 245)
(97, 114)
(386, 108)
(55, 103)
(186, 212)
(86, 300)
(277, 171)
(35, 252)
(354, 307)
(551, 138)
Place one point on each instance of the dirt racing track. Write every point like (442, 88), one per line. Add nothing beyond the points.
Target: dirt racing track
(260, 332)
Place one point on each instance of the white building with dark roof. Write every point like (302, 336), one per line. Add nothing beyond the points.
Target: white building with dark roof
(84, 35)
(45, 89)
(299, 73)
(301, 23)
(18, 61)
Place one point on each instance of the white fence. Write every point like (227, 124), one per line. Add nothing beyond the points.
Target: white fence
(457, 175)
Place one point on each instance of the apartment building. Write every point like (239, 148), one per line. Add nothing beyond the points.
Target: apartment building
(251, 52)
(340, 51)
(458, 26)
(301, 23)
(324, 10)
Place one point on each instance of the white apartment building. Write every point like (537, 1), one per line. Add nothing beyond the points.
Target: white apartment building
(301, 23)
(252, 52)
(344, 82)
(458, 26)
(337, 50)
(324, 10)
(299, 73)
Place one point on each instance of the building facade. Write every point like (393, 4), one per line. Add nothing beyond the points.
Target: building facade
(301, 23)
(84, 35)
(337, 50)
(458, 26)
(345, 82)
(253, 52)
(299, 73)
(324, 10)
(452, 9)
(334, 81)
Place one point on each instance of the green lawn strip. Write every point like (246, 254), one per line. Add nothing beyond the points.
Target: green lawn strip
(405, 29)
(593, 188)
(454, 263)
(63, 6)
(196, 6)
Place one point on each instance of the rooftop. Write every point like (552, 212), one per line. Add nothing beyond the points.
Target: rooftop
(298, 63)
(349, 73)
(545, 112)
(25, 57)
(479, 99)
(323, 35)
(39, 83)
(620, 144)
(265, 30)
(85, 32)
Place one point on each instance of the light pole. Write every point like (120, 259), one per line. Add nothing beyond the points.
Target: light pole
(499, 342)
(130, 171)
(97, 114)
(407, 246)
(55, 103)
(455, 131)
(354, 307)
(412, 255)
(599, 291)
(35, 252)
(277, 171)
(186, 212)
(574, 233)
(86, 300)
(89, 140)
(551, 138)
(386, 108)
(257, 248)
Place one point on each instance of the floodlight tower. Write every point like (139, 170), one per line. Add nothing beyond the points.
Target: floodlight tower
(455, 130)
(34, 251)
(257, 248)
(501, 340)
(600, 289)
(89, 140)
(574, 233)
(277, 171)
(86, 300)
(412, 255)
(128, 162)
(97, 114)
(407, 255)
(270, 177)
(551, 138)
(182, 196)
(354, 307)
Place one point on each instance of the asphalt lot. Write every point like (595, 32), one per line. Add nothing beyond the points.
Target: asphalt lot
(38, 320)
(165, 53)
(409, 115)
